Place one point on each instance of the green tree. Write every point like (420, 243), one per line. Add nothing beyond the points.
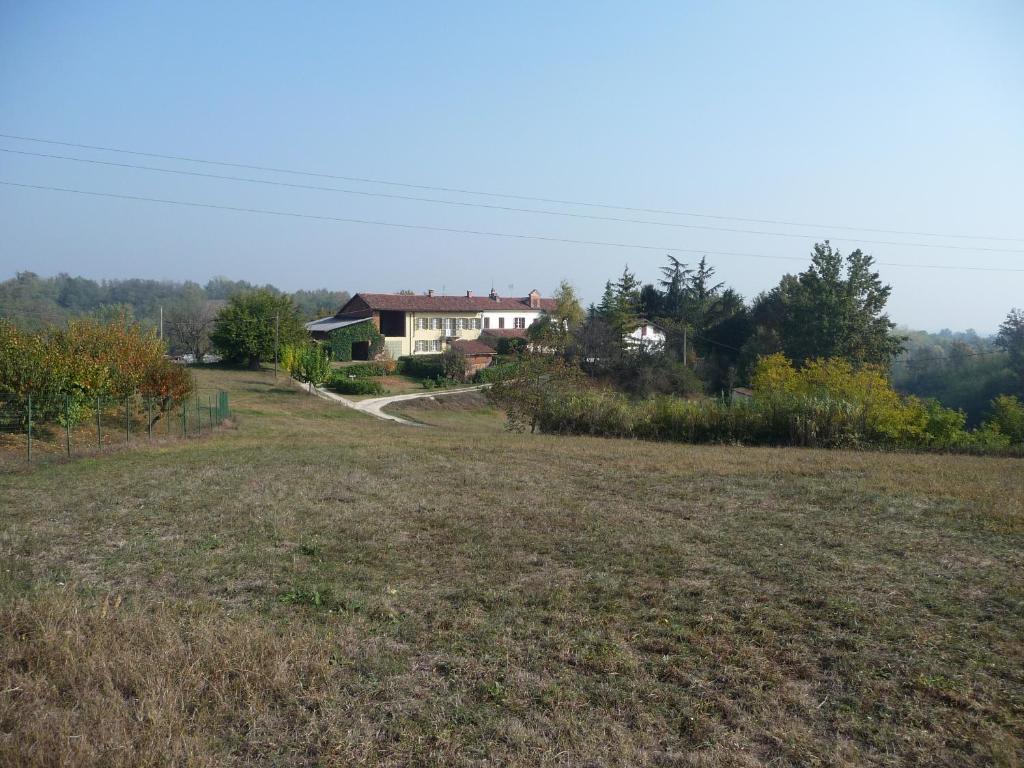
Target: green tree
(244, 330)
(1011, 339)
(567, 306)
(836, 308)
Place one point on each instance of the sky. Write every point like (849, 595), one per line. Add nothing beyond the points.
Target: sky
(903, 116)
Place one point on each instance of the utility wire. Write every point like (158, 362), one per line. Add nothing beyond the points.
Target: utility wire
(529, 198)
(463, 204)
(509, 235)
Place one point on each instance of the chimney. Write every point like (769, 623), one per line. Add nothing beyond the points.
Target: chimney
(430, 292)
(493, 295)
(534, 299)
(469, 294)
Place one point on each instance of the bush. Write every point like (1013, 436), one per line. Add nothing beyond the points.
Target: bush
(1008, 417)
(346, 386)
(421, 366)
(375, 368)
(494, 373)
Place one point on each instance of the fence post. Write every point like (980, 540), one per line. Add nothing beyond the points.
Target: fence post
(30, 429)
(99, 432)
(67, 423)
(209, 404)
(199, 415)
(184, 419)
(149, 417)
(127, 419)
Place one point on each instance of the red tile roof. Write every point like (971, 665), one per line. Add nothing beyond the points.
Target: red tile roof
(422, 303)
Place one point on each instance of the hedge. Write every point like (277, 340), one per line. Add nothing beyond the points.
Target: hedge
(421, 366)
(346, 386)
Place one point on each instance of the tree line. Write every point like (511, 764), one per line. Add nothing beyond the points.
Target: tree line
(34, 303)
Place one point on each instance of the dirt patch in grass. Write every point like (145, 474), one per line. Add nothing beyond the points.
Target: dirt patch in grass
(317, 587)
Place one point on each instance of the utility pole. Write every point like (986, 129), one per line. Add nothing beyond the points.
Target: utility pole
(684, 345)
(277, 335)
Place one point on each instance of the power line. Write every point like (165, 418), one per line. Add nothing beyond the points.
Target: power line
(462, 204)
(507, 196)
(485, 233)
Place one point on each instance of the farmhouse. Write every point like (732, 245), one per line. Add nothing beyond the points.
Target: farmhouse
(429, 323)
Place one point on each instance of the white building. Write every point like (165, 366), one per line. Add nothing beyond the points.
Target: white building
(647, 336)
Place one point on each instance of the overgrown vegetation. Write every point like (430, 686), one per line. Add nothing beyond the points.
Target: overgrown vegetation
(826, 404)
(342, 339)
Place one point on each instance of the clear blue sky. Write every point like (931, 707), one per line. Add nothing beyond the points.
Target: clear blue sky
(901, 115)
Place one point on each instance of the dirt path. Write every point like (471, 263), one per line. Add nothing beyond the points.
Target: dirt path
(375, 405)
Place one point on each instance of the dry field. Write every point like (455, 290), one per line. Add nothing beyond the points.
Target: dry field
(315, 587)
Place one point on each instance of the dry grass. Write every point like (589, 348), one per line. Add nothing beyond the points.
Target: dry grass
(319, 588)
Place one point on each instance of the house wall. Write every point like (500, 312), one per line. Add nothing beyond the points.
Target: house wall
(530, 316)
(435, 333)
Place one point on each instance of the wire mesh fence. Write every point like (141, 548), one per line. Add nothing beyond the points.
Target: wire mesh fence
(34, 427)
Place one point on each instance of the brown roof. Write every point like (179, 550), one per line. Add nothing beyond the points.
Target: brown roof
(473, 347)
(422, 303)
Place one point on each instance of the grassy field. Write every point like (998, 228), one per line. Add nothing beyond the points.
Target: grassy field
(315, 587)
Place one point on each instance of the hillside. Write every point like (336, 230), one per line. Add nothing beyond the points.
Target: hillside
(315, 586)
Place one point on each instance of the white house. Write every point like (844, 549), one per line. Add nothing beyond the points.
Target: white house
(647, 336)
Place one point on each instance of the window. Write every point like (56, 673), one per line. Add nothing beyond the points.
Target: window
(520, 322)
(435, 323)
(421, 323)
(463, 323)
(449, 325)
(476, 323)
(422, 346)
(487, 322)
(437, 345)
(501, 322)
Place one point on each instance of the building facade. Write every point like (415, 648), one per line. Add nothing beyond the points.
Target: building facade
(427, 324)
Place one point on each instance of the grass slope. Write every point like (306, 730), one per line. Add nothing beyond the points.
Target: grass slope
(317, 587)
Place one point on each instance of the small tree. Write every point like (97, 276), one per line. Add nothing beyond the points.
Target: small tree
(189, 324)
(244, 331)
(453, 364)
(314, 365)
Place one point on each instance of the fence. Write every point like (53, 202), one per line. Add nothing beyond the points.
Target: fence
(32, 427)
